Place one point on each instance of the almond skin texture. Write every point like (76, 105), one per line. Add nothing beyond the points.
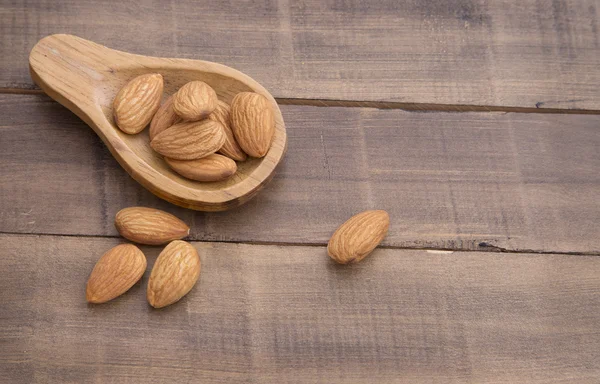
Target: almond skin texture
(195, 101)
(230, 148)
(149, 226)
(210, 168)
(137, 102)
(164, 118)
(358, 236)
(174, 274)
(190, 140)
(253, 123)
(116, 271)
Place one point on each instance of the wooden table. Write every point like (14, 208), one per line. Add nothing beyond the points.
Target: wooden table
(475, 124)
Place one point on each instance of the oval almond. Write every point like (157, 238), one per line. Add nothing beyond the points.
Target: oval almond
(231, 149)
(164, 118)
(135, 104)
(195, 101)
(358, 237)
(190, 140)
(116, 271)
(210, 168)
(174, 274)
(253, 123)
(149, 226)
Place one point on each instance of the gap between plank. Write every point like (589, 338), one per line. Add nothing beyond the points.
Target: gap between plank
(487, 248)
(21, 91)
(428, 107)
(415, 107)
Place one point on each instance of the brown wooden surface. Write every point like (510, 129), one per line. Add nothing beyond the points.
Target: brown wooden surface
(448, 180)
(288, 314)
(505, 53)
(278, 310)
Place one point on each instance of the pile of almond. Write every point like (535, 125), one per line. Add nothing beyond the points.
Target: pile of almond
(174, 273)
(192, 125)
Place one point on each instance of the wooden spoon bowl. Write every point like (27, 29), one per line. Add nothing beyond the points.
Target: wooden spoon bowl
(85, 77)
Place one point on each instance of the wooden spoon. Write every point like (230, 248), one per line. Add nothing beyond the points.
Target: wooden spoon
(85, 77)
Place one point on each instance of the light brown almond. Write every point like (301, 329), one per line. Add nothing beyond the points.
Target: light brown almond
(174, 274)
(164, 118)
(358, 237)
(210, 168)
(190, 140)
(135, 104)
(230, 148)
(253, 123)
(195, 101)
(116, 271)
(149, 226)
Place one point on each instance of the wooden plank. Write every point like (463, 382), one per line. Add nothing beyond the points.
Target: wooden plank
(288, 314)
(448, 180)
(507, 53)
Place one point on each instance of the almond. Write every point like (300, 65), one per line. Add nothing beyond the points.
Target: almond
(164, 118)
(190, 140)
(195, 101)
(358, 236)
(149, 226)
(230, 148)
(116, 271)
(253, 123)
(136, 102)
(174, 274)
(210, 168)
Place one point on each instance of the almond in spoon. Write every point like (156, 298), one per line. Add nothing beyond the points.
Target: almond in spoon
(195, 101)
(164, 118)
(230, 148)
(210, 168)
(190, 140)
(137, 101)
(253, 123)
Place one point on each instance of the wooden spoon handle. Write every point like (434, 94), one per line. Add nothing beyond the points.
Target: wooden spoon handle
(69, 68)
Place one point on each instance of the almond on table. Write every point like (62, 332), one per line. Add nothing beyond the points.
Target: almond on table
(174, 274)
(149, 226)
(135, 104)
(358, 236)
(116, 271)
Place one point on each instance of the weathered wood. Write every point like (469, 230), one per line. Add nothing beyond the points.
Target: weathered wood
(448, 180)
(289, 314)
(508, 53)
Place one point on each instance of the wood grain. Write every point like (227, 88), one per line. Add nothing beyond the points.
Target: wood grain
(448, 180)
(508, 53)
(290, 315)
